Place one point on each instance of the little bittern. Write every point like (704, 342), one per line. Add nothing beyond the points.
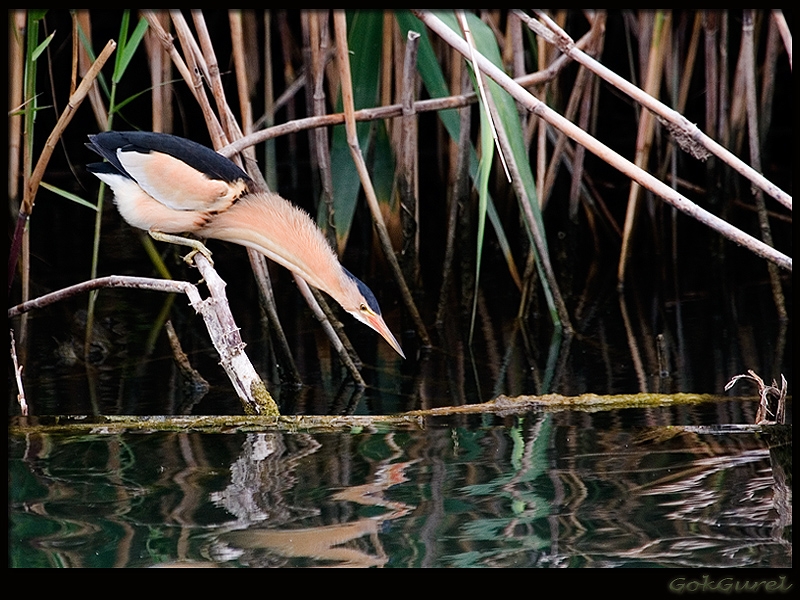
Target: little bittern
(169, 185)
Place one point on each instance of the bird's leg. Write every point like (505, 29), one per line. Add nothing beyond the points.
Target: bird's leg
(195, 245)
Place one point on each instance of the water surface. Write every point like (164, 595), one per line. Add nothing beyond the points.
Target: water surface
(541, 489)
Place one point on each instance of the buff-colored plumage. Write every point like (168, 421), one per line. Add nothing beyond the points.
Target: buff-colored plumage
(168, 185)
(285, 234)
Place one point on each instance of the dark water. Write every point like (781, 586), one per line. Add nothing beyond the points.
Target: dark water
(563, 489)
(576, 489)
(641, 341)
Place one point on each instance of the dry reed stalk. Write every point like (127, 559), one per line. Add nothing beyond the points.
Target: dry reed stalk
(157, 100)
(786, 34)
(207, 59)
(407, 174)
(270, 161)
(541, 136)
(724, 118)
(340, 31)
(633, 346)
(579, 91)
(456, 84)
(768, 81)
(691, 58)
(748, 51)
(16, 68)
(189, 76)
(388, 63)
(644, 137)
(605, 153)
(83, 20)
(321, 157)
(695, 140)
(290, 78)
(577, 167)
(539, 238)
(240, 66)
(161, 100)
(459, 189)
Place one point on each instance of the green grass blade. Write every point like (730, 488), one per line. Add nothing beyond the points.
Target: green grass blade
(127, 47)
(364, 34)
(434, 81)
(486, 44)
(68, 195)
(41, 47)
(484, 170)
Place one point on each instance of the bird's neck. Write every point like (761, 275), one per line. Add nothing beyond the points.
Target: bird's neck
(284, 233)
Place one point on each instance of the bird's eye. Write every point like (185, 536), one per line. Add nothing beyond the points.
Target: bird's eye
(363, 307)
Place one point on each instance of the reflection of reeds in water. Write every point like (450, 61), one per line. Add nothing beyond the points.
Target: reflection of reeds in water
(608, 488)
(668, 496)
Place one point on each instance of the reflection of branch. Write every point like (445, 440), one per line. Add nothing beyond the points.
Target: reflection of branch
(215, 312)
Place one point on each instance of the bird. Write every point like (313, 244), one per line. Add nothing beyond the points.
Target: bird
(170, 186)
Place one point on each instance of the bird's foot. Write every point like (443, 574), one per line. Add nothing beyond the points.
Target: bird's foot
(196, 245)
(189, 258)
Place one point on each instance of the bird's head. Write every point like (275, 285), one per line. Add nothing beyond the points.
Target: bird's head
(360, 302)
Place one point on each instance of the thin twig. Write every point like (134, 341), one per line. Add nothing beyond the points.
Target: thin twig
(23, 404)
(215, 312)
(390, 111)
(197, 383)
(111, 281)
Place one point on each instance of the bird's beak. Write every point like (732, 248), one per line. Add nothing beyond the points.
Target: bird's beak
(376, 321)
